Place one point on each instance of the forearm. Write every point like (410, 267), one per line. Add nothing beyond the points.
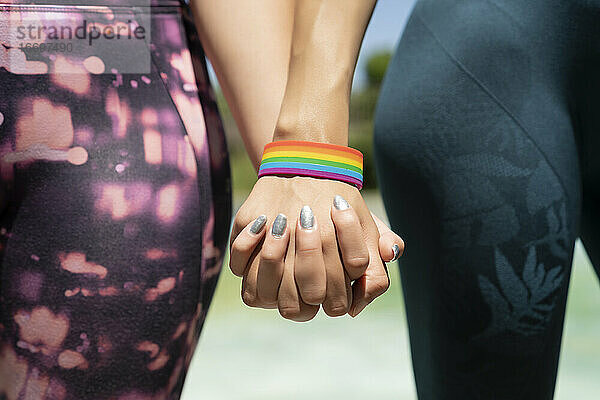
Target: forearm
(248, 43)
(326, 40)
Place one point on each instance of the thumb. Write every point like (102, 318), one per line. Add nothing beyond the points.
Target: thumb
(391, 246)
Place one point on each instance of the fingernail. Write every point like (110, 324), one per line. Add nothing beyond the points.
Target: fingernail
(340, 203)
(307, 218)
(258, 224)
(396, 250)
(279, 225)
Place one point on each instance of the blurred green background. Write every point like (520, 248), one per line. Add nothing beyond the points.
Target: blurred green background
(249, 354)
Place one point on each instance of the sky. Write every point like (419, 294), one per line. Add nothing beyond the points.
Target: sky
(383, 32)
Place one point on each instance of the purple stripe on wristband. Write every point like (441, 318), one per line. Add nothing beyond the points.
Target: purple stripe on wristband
(313, 173)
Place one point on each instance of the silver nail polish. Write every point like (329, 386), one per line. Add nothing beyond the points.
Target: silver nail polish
(307, 218)
(396, 250)
(258, 224)
(340, 203)
(279, 225)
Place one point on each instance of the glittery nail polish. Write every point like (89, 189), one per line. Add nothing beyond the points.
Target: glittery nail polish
(279, 225)
(396, 250)
(258, 224)
(340, 203)
(307, 218)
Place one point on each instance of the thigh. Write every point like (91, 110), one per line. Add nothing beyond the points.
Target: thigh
(108, 245)
(590, 144)
(590, 227)
(488, 222)
(586, 97)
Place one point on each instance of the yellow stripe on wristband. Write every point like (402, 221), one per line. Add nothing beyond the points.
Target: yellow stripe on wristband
(325, 160)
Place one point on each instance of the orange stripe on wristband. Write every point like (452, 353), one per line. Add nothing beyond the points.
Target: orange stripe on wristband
(325, 160)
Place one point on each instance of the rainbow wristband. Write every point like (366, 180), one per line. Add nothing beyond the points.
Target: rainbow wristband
(321, 160)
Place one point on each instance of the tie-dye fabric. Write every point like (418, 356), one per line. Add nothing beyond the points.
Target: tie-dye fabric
(116, 212)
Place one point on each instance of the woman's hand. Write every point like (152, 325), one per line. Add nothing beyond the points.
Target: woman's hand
(296, 266)
(391, 247)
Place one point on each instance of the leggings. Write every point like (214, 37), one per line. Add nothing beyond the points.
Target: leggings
(486, 139)
(116, 208)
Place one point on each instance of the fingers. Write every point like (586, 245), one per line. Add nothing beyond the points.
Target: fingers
(245, 243)
(338, 297)
(249, 284)
(289, 302)
(350, 237)
(371, 285)
(309, 266)
(391, 246)
(297, 269)
(271, 261)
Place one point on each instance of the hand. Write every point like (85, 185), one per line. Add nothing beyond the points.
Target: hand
(291, 271)
(391, 247)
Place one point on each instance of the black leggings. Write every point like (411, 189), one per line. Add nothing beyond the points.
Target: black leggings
(485, 135)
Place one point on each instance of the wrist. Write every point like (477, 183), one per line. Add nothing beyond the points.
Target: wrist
(320, 118)
(312, 159)
(295, 129)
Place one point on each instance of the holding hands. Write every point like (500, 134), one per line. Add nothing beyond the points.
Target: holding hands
(287, 76)
(302, 242)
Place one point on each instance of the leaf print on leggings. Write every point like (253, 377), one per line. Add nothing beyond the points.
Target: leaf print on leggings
(520, 305)
(474, 209)
(558, 238)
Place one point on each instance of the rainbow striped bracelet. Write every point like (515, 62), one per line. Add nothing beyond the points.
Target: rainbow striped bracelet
(321, 160)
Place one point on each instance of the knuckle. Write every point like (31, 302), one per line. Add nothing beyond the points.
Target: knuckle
(238, 223)
(336, 309)
(250, 299)
(345, 219)
(234, 268)
(308, 251)
(242, 214)
(270, 255)
(291, 313)
(267, 299)
(378, 287)
(313, 294)
(359, 261)
(241, 246)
